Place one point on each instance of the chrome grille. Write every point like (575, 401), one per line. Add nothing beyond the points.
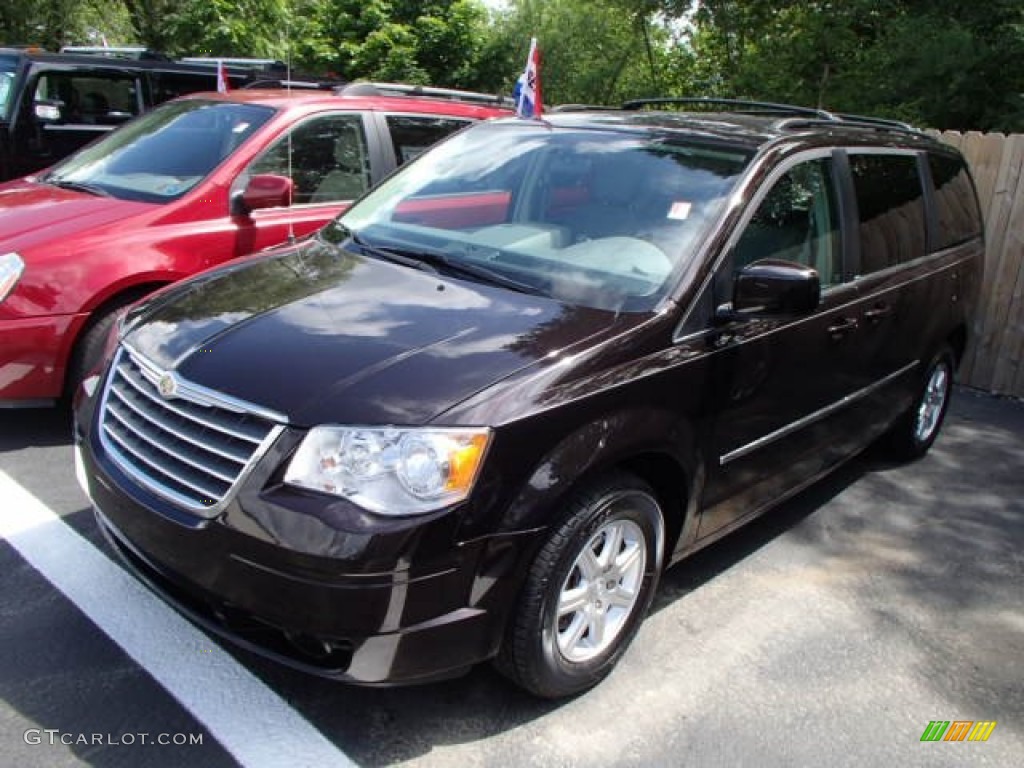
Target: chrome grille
(192, 448)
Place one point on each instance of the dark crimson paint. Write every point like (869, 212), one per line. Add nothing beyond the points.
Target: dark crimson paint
(726, 389)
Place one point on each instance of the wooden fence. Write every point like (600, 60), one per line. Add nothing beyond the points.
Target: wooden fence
(995, 353)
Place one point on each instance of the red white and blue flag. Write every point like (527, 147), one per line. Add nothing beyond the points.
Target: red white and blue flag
(527, 91)
(223, 84)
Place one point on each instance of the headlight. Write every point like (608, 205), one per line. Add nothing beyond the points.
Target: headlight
(11, 267)
(389, 470)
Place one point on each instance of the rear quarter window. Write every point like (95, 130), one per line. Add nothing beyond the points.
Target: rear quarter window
(412, 135)
(957, 214)
(170, 85)
(91, 98)
(890, 204)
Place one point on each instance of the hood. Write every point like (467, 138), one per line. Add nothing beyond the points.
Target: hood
(32, 213)
(324, 335)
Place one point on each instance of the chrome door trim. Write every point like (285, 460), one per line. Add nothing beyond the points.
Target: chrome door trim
(811, 418)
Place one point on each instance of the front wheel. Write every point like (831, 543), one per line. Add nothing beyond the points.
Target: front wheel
(88, 349)
(916, 430)
(587, 591)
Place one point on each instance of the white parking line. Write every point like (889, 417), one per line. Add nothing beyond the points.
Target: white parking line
(249, 720)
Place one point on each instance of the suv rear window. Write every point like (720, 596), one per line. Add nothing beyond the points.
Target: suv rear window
(168, 85)
(890, 201)
(8, 66)
(90, 99)
(959, 219)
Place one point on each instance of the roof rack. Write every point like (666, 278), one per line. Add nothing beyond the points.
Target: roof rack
(139, 52)
(797, 117)
(848, 121)
(581, 108)
(363, 88)
(882, 122)
(234, 61)
(303, 84)
(738, 105)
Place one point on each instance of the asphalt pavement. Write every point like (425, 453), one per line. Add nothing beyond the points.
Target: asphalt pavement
(830, 632)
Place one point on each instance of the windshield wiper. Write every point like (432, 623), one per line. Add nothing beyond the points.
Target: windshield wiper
(437, 258)
(429, 259)
(476, 271)
(78, 186)
(390, 254)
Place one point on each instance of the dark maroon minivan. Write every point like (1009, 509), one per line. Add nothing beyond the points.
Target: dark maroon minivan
(479, 414)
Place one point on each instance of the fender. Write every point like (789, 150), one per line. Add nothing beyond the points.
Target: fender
(656, 444)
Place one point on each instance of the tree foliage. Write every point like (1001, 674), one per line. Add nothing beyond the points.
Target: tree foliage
(941, 63)
(595, 52)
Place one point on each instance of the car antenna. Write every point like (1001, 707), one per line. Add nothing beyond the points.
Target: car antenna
(288, 88)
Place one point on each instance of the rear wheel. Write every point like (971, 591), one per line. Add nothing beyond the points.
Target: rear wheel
(916, 430)
(587, 591)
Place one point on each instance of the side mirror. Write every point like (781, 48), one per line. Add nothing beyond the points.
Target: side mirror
(775, 287)
(265, 190)
(48, 110)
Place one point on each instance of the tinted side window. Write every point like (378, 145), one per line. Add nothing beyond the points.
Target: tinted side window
(329, 159)
(168, 85)
(90, 98)
(957, 206)
(891, 206)
(411, 135)
(8, 68)
(797, 221)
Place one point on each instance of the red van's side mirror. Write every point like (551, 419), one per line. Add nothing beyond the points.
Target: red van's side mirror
(265, 190)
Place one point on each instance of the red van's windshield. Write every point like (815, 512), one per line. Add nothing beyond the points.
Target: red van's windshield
(163, 154)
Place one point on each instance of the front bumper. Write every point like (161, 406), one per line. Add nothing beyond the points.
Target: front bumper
(400, 604)
(33, 358)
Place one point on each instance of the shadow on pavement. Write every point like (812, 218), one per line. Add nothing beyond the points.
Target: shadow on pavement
(34, 427)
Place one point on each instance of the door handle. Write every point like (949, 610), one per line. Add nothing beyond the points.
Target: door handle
(877, 312)
(842, 327)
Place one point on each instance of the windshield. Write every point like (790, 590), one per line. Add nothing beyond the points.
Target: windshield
(599, 218)
(164, 153)
(8, 67)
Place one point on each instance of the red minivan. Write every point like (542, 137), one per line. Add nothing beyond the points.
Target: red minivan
(187, 186)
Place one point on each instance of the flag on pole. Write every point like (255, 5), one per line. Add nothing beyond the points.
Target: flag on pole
(527, 91)
(223, 85)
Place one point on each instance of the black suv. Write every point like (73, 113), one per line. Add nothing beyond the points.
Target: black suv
(53, 103)
(479, 414)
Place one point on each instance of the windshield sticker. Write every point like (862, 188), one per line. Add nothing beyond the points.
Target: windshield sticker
(240, 128)
(680, 210)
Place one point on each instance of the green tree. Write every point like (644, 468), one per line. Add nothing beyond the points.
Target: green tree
(937, 62)
(251, 28)
(434, 42)
(53, 23)
(597, 52)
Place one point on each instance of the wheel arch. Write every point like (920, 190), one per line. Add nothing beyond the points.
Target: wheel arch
(650, 443)
(958, 341)
(121, 296)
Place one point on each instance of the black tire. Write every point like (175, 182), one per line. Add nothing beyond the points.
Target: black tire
(915, 431)
(89, 347)
(553, 656)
